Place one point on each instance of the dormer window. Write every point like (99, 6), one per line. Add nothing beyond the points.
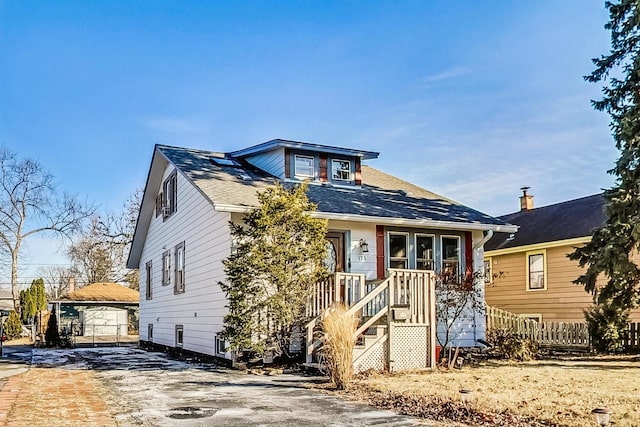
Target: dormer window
(340, 170)
(304, 166)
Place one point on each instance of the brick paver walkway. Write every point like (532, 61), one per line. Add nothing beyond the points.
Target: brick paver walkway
(51, 396)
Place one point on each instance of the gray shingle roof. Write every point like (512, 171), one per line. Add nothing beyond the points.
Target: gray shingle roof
(561, 221)
(381, 194)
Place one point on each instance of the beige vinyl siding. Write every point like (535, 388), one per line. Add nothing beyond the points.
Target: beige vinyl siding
(562, 301)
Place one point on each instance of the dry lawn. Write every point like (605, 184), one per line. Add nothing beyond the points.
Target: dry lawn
(548, 392)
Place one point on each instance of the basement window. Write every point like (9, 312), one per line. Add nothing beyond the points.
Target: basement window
(179, 336)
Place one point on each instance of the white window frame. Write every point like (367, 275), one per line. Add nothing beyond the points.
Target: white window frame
(488, 276)
(442, 254)
(532, 316)
(529, 254)
(166, 268)
(148, 289)
(336, 169)
(300, 173)
(179, 328)
(180, 266)
(433, 249)
(407, 251)
(218, 342)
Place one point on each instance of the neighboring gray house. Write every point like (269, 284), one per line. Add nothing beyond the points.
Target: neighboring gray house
(379, 226)
(6, 300)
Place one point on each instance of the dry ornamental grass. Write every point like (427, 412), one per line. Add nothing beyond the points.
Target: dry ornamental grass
(538, 393)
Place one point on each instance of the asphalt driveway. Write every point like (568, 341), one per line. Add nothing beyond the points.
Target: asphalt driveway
(149, 389)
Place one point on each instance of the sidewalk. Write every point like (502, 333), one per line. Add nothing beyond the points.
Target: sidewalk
(52, 396)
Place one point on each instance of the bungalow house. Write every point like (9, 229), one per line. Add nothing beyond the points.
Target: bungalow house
(529, 273)
(385, 235)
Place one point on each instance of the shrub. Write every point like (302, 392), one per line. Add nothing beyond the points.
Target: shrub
(607, 327)
(510, 345)
(337, 347)
(12, 326)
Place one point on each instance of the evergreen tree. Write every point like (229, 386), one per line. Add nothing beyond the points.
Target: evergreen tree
(12, 326)
(52, 336)
(272, 270)
(33, 300)
(610, 250)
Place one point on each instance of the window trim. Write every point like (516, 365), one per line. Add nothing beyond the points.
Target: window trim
(442, 254)
(148, 288)
(295, 166)
(179, 286)
(407, 248)
(219, 340)
(166, 268)
(488, 279)
(433, 249)
(339, 161)
(150, 332)
(532, 316)
(179, 344)
(159, 204)
(170, 198)
(527, 279)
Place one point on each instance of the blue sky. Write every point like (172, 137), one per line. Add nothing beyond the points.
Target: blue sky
(468, 99)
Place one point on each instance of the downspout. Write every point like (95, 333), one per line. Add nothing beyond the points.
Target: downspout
(477, 246)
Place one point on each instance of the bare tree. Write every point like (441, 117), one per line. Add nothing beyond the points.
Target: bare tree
(30, 204)
(100, 254)
(56, 279)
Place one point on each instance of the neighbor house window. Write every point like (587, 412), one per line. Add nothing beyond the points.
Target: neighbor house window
(536, 271)
(341, 170)
(170, 190)
(304, 166)
(179, 335)
(424, 252)
(398, 250)
(451, 254)
(148, 280)
(537, 317)
(488, 278)
(179, 262)
(150, 332)
(166, 268)
(221, 345)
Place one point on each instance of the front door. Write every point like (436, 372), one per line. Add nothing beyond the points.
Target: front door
(335, 258)
(335, 252)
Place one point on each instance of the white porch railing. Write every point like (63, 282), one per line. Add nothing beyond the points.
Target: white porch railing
(412, 290)
(341, 287)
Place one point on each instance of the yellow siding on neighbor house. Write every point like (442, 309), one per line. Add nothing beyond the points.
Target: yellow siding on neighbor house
(561, 301)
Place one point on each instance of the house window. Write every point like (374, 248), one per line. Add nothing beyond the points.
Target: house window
(166, 268)
(148, 283)
(159, 205)
(179, 336)
(341, 170)
(150, 332)
(424, 252)
(488, 278)
(221, 345)
(179, 262)
(536, 271)
(398, 250)
(451, 254)
(537, 317)
(304, 166)
(170, 189)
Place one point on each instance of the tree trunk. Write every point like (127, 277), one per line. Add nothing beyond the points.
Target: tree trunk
(14, 280)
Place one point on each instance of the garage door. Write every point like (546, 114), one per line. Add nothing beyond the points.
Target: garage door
(105, 321)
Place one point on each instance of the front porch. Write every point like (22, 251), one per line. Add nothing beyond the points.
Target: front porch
(397, 328)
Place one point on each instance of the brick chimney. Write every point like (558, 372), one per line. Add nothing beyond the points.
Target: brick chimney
(72, 284)
(526, 200)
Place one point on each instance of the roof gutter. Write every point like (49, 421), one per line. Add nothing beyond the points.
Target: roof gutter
(506, 228)
(484, 240)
